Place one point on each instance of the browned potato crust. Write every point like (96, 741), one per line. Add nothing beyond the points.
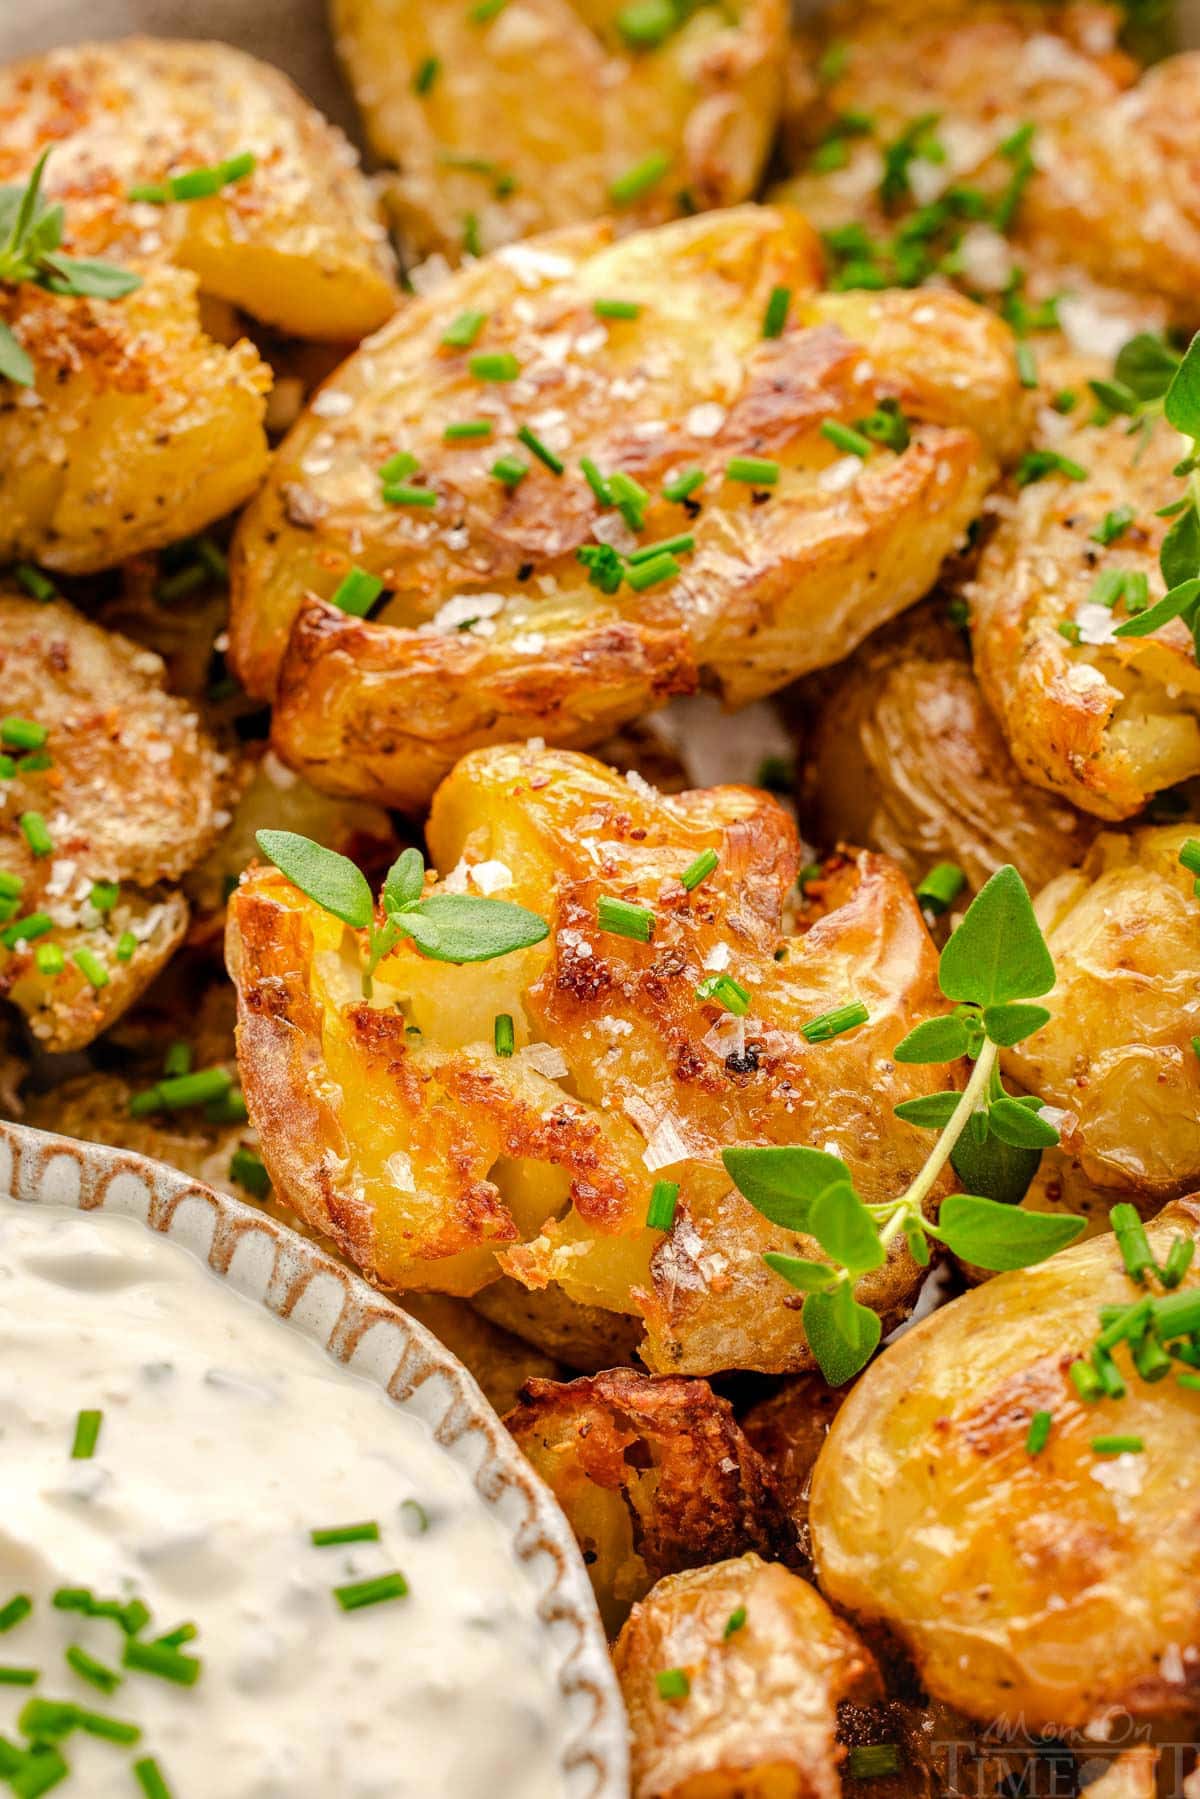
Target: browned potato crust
(653, 1475)
(584, 1338)
(133, 795)
(1117, 1055)
(788, 1429)
(501, 1363)
(1001, 1572)
(491, 630)
(435, 1163)
(1105, 722)
(534, 114)
(760, 1716)
(906, 758)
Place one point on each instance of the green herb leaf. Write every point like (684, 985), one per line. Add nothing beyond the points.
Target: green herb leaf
(1178, 603)
(843, 1338)
(87, 278)
(808, 1277)
(993, 1169)
(782, 1181)
(15, 365)
(936, 1040)
(1180, 553)
(405, 882)
(998, 952)
(1007, 1025)
(1002, 1237)
(1183, 395)
(932, 1112)
(477, 930)
(845, 1229)
(1020, 1126)
(331, 880)
(1147, 365)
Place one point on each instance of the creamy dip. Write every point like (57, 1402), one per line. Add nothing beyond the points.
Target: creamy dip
(226, 1439)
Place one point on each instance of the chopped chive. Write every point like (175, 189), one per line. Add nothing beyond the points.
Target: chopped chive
(1179, 1260)
(35, 1772)
(727, 992)
(37, 585)
(641, 575)
(1132, 1242)
(18, 1677)
(534, 443)
(683, 486)
(1035, 465)
(635, 183)
(1065, 401)
(88, 1668)
(195, 184)
(14, 1610)
(24, 930)
(509, 470)
(47, 1718)
(495, 365)
(462, 331)
(160, 1659)
(832, 1024)
(666, 546)
(22, 733)
(595, 480)
(1177, 1314)
(412, 1508)
(11, 886)
(941, 887)
(1137, 590)
(1066, 627)
(87, 1435)
(1039, 1432)
(90, 967)
(502, 1034)
(402, 493)
(48, 959)
(1190, 1381)
(182, 1633)
(485, 10)
(1113, 525)
(33, 763)
(616, 309)
(467, 431)
(345, 1533)
(699, 870)
(399, 467)
(759, 471)
(131, 1615)
(1150, 1358)
(672, 1683)
(33, 828)
(113, 1730)
(736, 1621)
(1109, 1374)
(622, 918)
(149, 1777)
(1118, 1445)
(630, 499)
(660, 1215)
(250, 1172)
(126, 946)
(426, 75)
(1189, 855)
(644, 24)
(1027, 368)
(371, 1592)
(181, 583)
(104, 895)
(178, 1059)
(775, 317)
(357, 592)
(844, 437)
(871, 1761)
(1086, 1381)
(1107, 588)
(176, 1094)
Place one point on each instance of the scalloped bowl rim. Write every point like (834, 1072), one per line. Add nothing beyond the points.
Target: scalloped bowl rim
(363, 1331)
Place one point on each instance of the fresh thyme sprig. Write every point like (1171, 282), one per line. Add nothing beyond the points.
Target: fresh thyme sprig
(30, 235)
(993, 963)
(447, 927)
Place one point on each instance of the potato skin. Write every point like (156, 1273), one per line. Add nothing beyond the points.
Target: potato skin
(133, 795)
(906, 758)
(760, 1718)
(774, 587)
(653, 1475)
(492, 1149)
(552, 101)
(1000, 1571)
(1117, 1053)
(296, 243)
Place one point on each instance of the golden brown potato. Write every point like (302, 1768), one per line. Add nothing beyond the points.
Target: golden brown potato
(1117, 1055)
(131, 794)
(501, 1363)
(584, 1338)
(435, 1163)
(296, 243)
(534, 117)
(788, 1428)
(491, 629)
(906, 758)
(1104, 721)
(758, 1718)
(653, 1475)
(1000, 1571)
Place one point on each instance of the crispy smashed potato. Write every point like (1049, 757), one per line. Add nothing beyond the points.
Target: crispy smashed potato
(1105, 722)
(534, 117)
(130, 794)
(395, 1127)
(492, 630)
(295, 243)
(788, 1428)
(1117, 1054)
(766, 1665)
(653, 1475)
(1002, 1571)
(584, 1338)
(906, 758)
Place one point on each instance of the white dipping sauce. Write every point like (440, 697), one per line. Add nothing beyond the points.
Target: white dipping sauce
(226, 1438)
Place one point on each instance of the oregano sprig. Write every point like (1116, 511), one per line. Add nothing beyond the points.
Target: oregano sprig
(30, 234)
(447, 927)
(992, 966)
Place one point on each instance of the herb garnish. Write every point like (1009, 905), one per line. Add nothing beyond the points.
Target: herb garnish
(195, 184)
(1157, 378)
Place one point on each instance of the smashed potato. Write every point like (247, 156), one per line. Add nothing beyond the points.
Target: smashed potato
(653, 1475)
(545, 114)
(1117, 1054)
(395, 1127)
(788, 1428)
(1104, 721)
(117, 793)
(1001, 1571)
(755, 1666)
(906, 758)
(492, 629)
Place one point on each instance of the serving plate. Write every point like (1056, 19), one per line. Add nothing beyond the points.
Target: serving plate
(367, 1335)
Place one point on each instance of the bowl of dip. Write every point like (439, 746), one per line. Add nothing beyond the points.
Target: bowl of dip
(262, 1535)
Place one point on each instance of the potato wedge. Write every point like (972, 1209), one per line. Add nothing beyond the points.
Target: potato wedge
(759, 1717)
(1001, 1571)
(535, 116)
(491, 629)
(395, 1127)
(1117, 1055)
(127, 790)
(906, 758)
(296, 243)
(788, 1428)
(653, 1475)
